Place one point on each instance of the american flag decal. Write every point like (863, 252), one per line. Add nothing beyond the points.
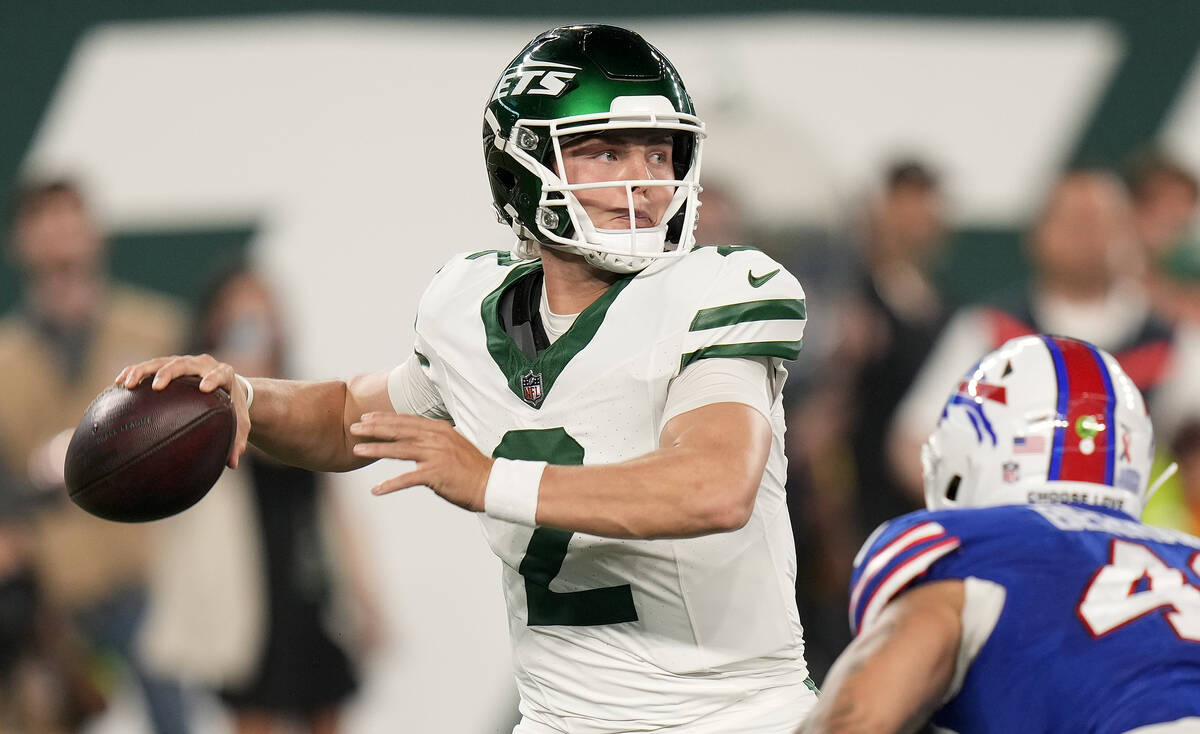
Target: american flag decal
(1029, 444)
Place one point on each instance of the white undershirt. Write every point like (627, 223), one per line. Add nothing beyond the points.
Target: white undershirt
(753, 381)
(554, 324)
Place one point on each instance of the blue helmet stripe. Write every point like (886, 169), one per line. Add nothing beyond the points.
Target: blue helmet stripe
(1060, 419)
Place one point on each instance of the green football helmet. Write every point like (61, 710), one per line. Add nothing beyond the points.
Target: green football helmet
(588, 79)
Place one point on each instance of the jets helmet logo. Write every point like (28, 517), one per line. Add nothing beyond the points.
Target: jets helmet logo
(536, 77)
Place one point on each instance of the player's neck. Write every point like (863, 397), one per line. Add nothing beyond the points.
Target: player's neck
(571, 284)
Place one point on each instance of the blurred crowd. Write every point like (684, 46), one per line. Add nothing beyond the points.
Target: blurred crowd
(1111, 260)
(272, 621)
(257, 598)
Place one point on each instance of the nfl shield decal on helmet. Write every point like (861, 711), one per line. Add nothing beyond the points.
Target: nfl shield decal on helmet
(531, 387)
(1012, 471)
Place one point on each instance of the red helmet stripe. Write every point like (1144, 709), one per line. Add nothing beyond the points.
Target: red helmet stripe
(1087, 423)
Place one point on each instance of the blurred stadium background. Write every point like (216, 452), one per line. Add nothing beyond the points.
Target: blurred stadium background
(339, 147)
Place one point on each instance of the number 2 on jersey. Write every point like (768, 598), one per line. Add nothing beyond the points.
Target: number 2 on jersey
(548, 546)
(1113, 598)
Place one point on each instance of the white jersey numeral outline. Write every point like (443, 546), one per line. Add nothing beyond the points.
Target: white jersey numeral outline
(1112, 600)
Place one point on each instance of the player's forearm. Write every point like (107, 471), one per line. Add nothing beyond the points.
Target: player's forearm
(703, 480)
(669, 493)
(852, 702)
(303, 423)
(852, 712)
(894, 676)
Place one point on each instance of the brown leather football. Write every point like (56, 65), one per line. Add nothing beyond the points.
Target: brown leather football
(143, 454)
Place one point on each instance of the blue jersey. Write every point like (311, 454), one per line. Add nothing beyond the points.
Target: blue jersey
(1100, 628)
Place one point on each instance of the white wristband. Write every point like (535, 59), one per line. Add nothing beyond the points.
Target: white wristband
(512, 491)
(248, 388)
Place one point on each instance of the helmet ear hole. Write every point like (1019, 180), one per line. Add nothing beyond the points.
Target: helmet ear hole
(952, 487)
(505, 178)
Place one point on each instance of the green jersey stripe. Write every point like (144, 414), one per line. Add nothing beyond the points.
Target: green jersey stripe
(726, 250)
(503, 257)
(783, 350)
(735, 313)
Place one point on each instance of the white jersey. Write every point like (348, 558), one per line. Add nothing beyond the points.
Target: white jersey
(614, 635)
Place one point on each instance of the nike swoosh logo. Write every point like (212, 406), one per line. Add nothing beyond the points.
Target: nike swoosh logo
(757, 281)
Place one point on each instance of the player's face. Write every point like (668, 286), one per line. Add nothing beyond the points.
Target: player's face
(621, 156)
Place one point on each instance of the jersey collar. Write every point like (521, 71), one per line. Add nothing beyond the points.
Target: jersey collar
(531, 379)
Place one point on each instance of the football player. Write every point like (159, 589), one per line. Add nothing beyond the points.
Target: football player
(606, 396)
(1028, 597)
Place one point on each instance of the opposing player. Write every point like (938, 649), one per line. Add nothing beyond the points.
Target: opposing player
(608, 397)
(1028, 598)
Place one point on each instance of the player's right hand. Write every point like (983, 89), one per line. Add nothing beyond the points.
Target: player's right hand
(212, 374)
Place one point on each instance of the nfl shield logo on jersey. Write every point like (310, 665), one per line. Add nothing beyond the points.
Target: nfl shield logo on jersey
(531, 387)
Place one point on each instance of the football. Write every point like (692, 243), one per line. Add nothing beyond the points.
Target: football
(142, 454)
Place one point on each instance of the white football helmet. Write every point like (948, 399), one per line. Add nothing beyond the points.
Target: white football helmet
(1041, 419)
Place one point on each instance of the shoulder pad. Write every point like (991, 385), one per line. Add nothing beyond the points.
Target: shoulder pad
(503, 258)
(892, 559)
(481, 261)
(467, 270)
(751, 306)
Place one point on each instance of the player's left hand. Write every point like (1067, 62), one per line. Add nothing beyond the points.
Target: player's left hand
(447, 463)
